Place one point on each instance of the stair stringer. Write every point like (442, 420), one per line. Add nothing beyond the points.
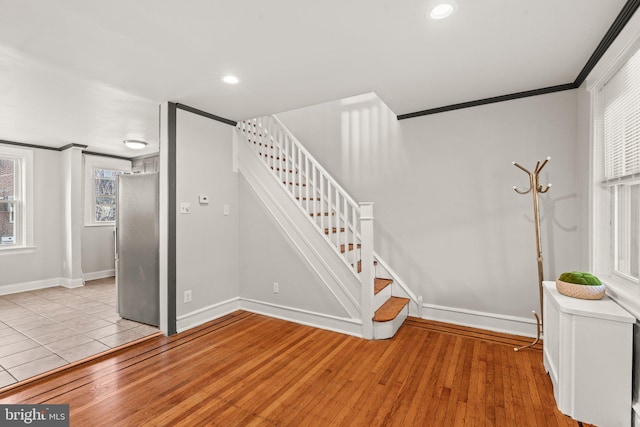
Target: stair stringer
(303, 234)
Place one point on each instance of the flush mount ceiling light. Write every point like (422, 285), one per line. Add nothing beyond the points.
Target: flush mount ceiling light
(230, 80)
(441, 11)
(135, 144)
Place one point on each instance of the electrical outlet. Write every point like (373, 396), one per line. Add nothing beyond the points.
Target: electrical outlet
(187, 296)
(275, 287)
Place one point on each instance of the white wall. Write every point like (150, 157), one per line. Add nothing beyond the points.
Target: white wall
(447, 218)
(98, 259)
(207, 255)
(268, 256)
(44, 265)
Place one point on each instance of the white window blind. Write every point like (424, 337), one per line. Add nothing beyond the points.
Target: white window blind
(622, 121)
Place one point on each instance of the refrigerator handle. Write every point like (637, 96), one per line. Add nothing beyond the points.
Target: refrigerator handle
(115, 241)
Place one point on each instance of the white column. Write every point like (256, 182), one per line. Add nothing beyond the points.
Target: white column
(73, 177)
(367, 274)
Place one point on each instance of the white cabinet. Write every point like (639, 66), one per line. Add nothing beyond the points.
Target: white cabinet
(588, 354)
(145, 165)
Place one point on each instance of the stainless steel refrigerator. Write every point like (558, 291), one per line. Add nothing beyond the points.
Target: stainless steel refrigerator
(137, 248)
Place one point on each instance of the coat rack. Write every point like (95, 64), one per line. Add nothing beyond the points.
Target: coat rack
(535, 189)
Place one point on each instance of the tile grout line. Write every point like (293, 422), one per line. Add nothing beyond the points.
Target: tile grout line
(88, 295)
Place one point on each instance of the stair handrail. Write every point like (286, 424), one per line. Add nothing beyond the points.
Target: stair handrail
(285, 155)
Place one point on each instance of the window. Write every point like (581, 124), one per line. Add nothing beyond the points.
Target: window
(101, 188)
(104, 195)
(8, 169)
(626, 229)
(16, 216)
(620, 152)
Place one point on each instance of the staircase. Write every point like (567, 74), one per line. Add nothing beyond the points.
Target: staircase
(366, 286)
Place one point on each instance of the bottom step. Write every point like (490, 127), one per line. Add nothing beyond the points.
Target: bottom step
(390, 309)
(389, 317)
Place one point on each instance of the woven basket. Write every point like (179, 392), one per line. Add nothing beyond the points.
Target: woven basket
(580, 291)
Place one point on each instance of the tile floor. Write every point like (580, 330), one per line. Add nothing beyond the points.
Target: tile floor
(44, 329)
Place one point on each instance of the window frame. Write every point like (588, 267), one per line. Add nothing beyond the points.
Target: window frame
(604, 214)
(91, 163)
(620, 231)
(23, 207)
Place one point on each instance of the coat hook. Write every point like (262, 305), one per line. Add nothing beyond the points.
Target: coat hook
(536, 189)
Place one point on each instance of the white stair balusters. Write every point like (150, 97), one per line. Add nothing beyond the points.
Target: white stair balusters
(344, 224)
(335, 213)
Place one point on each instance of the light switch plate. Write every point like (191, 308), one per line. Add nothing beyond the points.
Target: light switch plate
(204, 200)
(185, 208)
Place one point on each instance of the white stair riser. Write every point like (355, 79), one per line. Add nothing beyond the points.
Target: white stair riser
(340, 237)
(327, 221)
(353, 256)
(384, 330)
(381, 297)
(314, 205)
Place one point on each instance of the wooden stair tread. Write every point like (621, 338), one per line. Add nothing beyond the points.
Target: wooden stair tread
(270, 156)
(390, 309)
(333, 230)
(297, 184)
(310, 198)
(322, 214)
(359, 266)
(284, 170)
(343, 247)
(262, 144)
(379, 284)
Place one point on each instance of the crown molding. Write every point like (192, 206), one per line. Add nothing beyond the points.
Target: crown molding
(618, 25)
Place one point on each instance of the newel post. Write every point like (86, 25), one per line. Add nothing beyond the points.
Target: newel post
(368, 271)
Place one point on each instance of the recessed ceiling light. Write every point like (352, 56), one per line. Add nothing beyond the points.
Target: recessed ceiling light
(441, 11)
(230, 80)
(135, 144)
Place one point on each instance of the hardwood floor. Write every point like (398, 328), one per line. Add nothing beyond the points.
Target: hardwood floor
(250, 370)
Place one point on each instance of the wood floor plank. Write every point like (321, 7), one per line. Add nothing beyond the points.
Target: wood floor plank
(246, 369)
(454, 383)
(77, 377)
(507, 389)
(411, 414)
(436, 385)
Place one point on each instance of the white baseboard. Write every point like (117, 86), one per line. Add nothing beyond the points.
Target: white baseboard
(479, 319)
(41, 284)
(99, 274)
(317, 320)
(71, 283)
(30, 286)
(207, 314)
(457, 316)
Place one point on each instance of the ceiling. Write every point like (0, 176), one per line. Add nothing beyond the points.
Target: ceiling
(94, 72)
